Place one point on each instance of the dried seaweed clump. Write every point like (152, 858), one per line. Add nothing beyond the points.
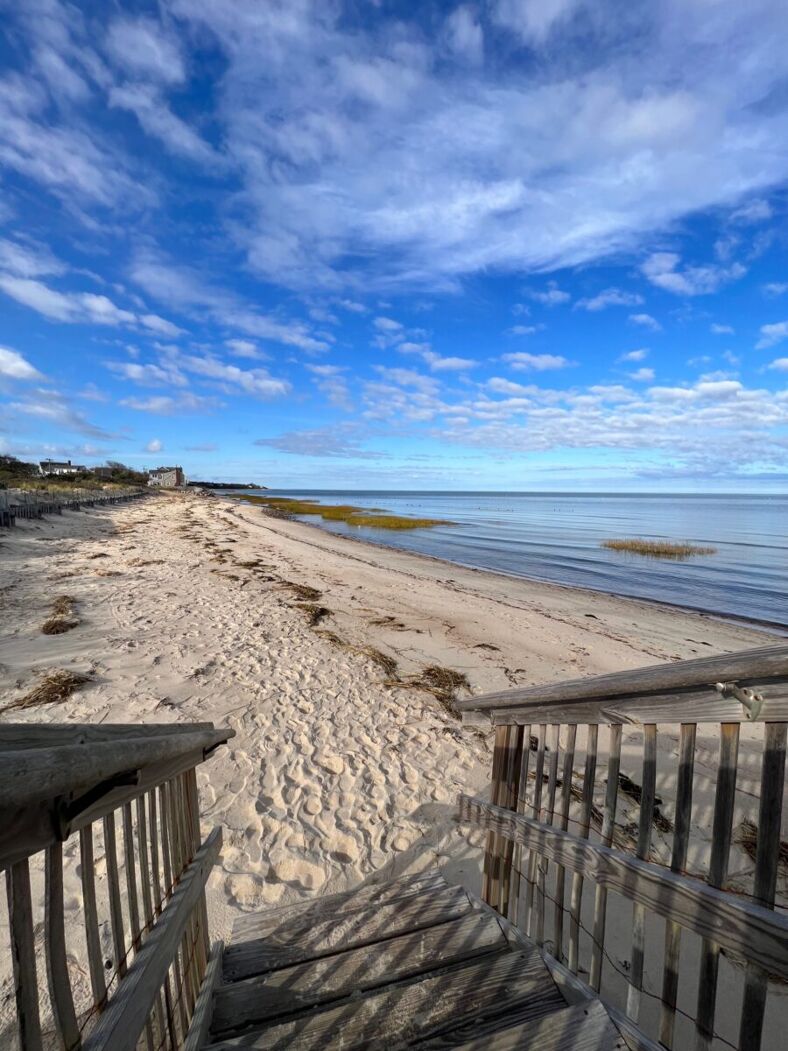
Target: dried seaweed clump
(54, 688)
(62, 617)
(746, 835)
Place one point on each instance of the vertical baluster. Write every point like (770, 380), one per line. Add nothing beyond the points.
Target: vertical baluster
(23, 955)
(113, 887)
(520, 857)
(648, 793)
(489, 873)
(546, 817)
(678, 862)
(178, 864)
(95, 961)
(724, 803)
(194, 812)
(197, 961)
(566, 797)
(55, 937)
(131, 876)
(509, 800)
(608, 827)
(157, 899)
(147, 902)
(576, 897)
(536, 807)
(169, 877)
(766, 858)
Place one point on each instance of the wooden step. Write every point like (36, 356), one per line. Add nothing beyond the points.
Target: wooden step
(259, 924)
(406, 1012)
(584, 1027)
(330, 978)
(296, 938)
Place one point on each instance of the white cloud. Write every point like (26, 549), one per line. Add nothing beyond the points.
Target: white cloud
(646, 321)
(166, 405)
(551, 296)
(448, 364)
(661, 269)
(754, 211)
(779, 364)
(13, 366)
(771, 335)
(537, 362)
(643, 375)
(635, 355)
(463, 35)
(523, 330)
(158, 120)
(150, 375)
(722, 330)
(533, 20)
(142, 47)
(154, 446)
(323, 442)
(331, 381)
(611, 297)
(775, 288)
(258, 382)
(243, 348)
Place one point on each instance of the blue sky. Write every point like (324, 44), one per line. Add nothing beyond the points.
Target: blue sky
(506, 244)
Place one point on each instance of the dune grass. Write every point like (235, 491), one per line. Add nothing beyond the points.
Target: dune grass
(658, 548)
(55, 687)
(62, 618)
(370, 517)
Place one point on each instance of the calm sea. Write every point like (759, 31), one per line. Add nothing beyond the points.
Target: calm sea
(557, 537)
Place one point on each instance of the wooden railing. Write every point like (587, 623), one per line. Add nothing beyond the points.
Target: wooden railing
(35, 503)
(121, 802)
(555, 858)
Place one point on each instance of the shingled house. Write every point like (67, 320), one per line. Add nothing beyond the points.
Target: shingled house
(167, 477)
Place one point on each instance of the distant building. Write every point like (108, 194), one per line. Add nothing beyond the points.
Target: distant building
(61, 467)
(167, 477)
(103, 472)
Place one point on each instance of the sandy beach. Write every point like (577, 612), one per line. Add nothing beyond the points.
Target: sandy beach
(194, 608)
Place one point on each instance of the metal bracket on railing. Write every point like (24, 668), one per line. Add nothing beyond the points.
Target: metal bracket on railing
(67, 809)
(751, 701)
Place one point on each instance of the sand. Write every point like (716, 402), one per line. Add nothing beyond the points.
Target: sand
(192, 608)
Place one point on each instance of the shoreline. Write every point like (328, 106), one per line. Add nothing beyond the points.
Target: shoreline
(343, 769)
(767, 626)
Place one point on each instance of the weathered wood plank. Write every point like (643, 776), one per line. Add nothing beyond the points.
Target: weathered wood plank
(584, 1027)
(566, 799)
(23, 955)
(49, 735)
(546, 817)
(701, 704)
(522, 798)
(536, 806)
(608, 827)
(92, 938)
(119, 1027)
(576, 896)
(765, 883)
(490, 863)
(404, 1013)
(44, 773)
(55, 938)
(294, 942)
(199, 1028)
(737, 924)
(678, 862)
(113, 890)
(509, 796)
(763, 663)
(259, 925)
(648, 793)
(256, 1000)
(724, 803)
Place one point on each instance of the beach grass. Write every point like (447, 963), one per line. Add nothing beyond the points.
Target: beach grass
(658, 548)
(370, 517)
(55, 687)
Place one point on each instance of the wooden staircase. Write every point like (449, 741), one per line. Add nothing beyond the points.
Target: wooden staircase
(410, 962)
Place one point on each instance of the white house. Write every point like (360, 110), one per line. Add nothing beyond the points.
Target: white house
(61, 467)
(167, 477)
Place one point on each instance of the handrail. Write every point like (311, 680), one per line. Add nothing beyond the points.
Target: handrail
(129, 792)
(646, 694)
(120, 1026)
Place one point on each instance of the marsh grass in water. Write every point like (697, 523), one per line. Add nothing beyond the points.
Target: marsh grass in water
(372, 517)
(658, 548)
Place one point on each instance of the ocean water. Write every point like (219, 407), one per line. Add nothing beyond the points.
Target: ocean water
(557, 536)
